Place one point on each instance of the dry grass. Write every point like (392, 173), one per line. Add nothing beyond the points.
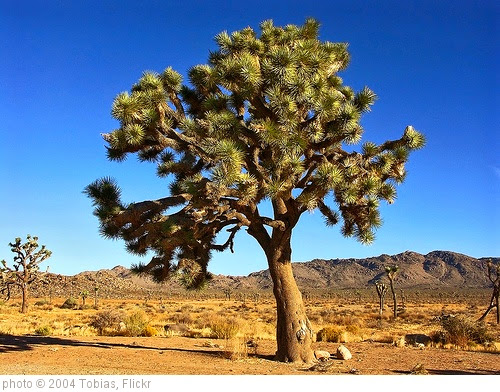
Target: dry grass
(236, 322)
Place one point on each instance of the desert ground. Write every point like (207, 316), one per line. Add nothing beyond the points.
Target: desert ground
(208, 336)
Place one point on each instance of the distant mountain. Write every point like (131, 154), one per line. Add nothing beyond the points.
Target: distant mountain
(435, 269)
(438, 269)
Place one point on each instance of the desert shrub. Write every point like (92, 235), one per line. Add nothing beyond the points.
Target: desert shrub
(44, 330)
(330, 334)
(183, 317)
(70, 303)
(42, 302)
(107, 319)
(462, 331)
(224, 328)
(135, 324)
(149, 331)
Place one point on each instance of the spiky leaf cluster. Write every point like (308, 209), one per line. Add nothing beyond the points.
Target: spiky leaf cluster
(266, 118)
(26, 266)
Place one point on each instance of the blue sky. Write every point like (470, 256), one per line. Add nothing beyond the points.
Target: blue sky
(433, 64)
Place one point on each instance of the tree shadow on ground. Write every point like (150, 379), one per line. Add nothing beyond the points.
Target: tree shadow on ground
(12, 343)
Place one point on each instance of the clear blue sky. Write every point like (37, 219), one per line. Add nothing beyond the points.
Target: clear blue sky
(433, 64)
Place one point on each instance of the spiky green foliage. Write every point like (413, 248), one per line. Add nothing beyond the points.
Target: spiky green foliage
(25, 268)
(266, 118)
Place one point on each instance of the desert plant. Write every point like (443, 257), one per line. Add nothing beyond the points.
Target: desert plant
(381, 292)
(330, 334)
(227, 293)
(84, 294)
(25, 270)
(70, 303)
(105, 320)
(265, 121)
(136, 323)
(461, 331)
(391, 272)
(44, 330)
(494, 277)
(224, 328)
(149, 331)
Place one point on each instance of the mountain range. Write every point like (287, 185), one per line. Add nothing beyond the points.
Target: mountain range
(437, 269)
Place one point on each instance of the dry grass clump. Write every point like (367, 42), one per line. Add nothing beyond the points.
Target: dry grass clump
(462, 331)
(106, 321)
(224, 328)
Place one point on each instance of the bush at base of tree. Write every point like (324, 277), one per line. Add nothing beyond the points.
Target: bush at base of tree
(462, 331)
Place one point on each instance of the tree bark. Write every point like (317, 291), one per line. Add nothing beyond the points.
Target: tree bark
(293, 330)
(394, 299)
(24, 306)
(493, 303)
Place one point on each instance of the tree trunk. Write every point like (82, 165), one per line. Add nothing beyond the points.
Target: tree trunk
(497, 295)
(493, 303)
(293, 330)
(395, 310)
(24, 306)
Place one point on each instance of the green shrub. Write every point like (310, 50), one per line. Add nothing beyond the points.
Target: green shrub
(70, 303)
(107, 319)
(44, 330)
(136, 323)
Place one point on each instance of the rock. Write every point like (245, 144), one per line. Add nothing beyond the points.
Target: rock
(343, 353)
(322, 355)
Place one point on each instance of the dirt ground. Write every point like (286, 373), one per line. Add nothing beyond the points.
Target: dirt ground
(27, 354)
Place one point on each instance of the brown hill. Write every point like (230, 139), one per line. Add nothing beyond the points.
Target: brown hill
(438, 269)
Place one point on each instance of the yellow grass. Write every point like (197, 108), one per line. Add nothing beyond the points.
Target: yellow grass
(356, 320)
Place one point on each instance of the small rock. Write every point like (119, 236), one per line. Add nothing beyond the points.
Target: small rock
(322, 355)
(343, 353)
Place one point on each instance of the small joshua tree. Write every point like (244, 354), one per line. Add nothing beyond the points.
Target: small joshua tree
(84, 294)
(227, 292)
(25, 269)
(494, 277)
(391, 274)
(381, 291)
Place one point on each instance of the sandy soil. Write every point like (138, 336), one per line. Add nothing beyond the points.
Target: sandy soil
(187, 356)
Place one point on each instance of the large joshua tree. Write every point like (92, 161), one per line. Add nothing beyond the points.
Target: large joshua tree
(265, 120)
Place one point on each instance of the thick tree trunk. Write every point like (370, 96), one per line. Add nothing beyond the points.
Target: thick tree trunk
(293, 330)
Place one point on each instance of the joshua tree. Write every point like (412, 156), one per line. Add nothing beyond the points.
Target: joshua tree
(494, 277)
(227, 292)
(391, 274)
(96, 290)
(84, 294)
(25, 268)
(381, 291)
(265, 121)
